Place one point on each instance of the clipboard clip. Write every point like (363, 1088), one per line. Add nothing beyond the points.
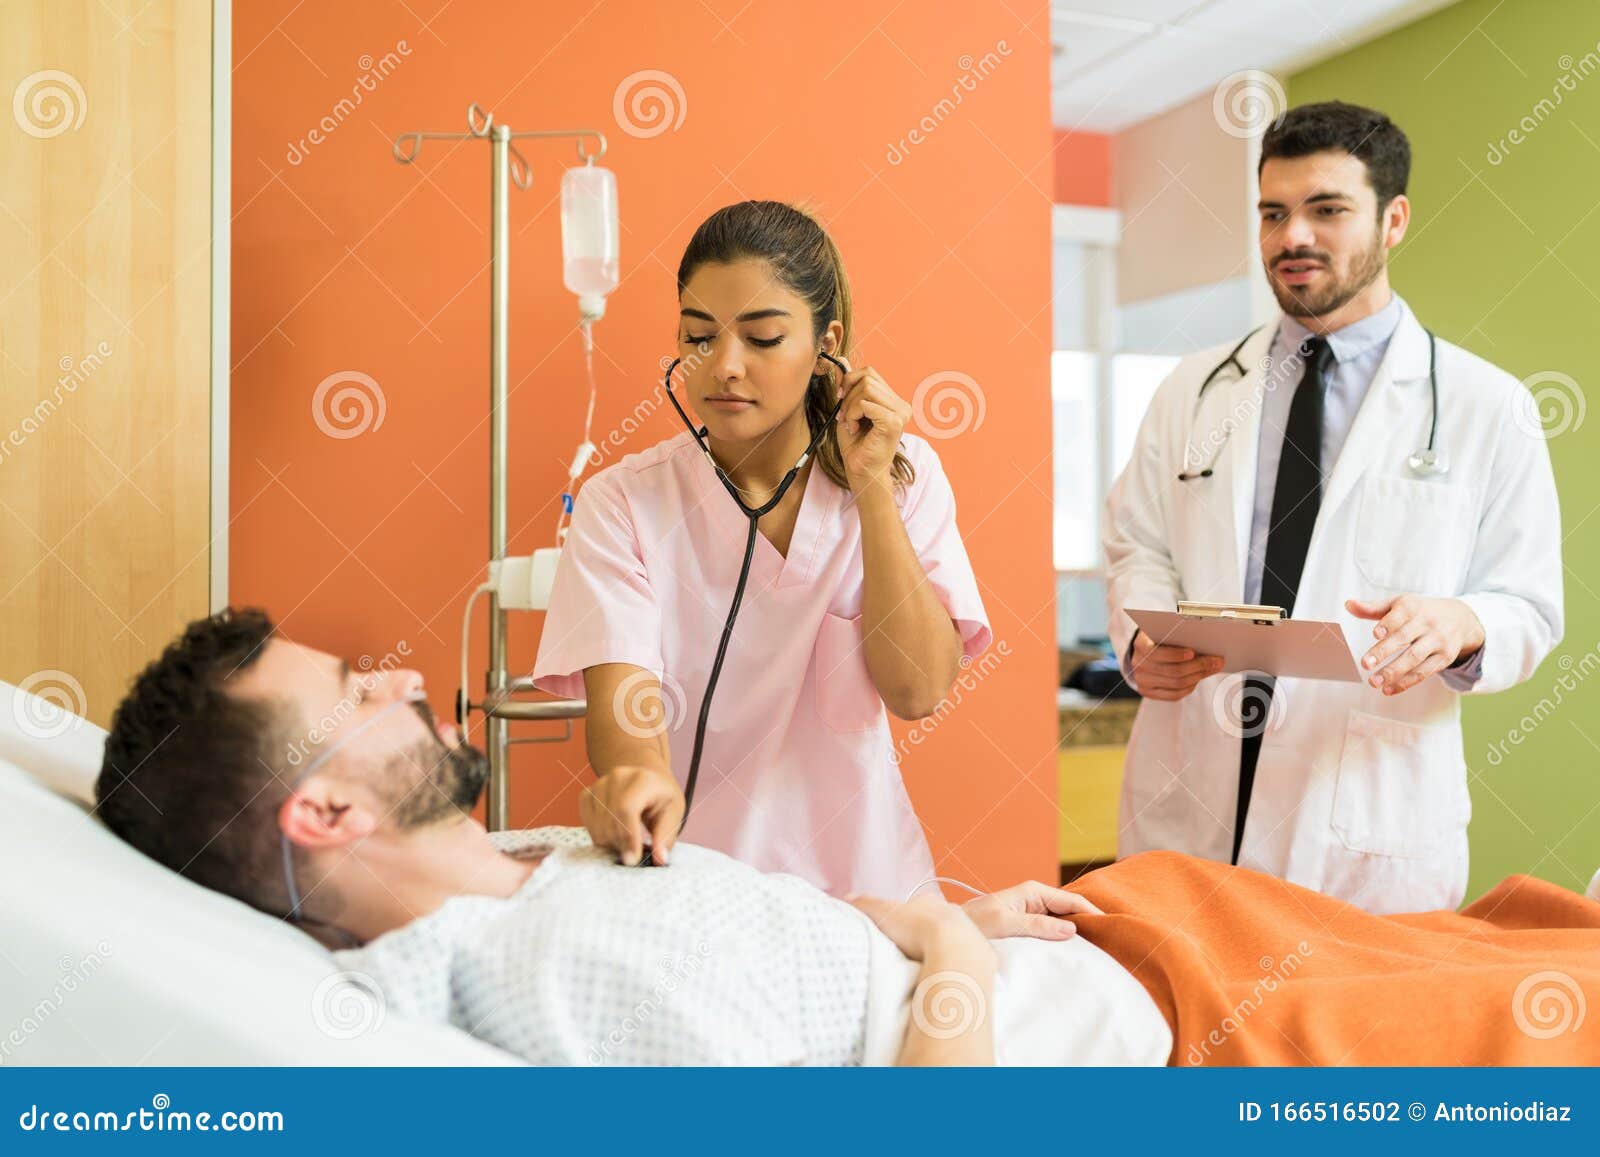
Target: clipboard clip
(1258, 613)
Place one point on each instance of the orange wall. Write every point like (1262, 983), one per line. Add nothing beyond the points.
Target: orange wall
(345, 261)
(1083, 168)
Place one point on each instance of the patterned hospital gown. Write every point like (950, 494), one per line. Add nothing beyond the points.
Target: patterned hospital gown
(708, 961)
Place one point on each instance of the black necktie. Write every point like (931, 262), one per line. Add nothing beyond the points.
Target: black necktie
(1296, 498)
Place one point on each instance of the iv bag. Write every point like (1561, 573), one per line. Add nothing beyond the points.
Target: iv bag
(589, 238)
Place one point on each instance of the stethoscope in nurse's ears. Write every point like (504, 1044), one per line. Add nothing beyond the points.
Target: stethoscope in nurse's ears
(754, 514)
(1424, 463)
(525, 583)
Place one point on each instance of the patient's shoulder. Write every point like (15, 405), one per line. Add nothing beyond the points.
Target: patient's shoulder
(553, 836)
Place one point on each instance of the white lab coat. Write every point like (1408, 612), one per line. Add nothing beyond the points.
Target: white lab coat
(1357, 794)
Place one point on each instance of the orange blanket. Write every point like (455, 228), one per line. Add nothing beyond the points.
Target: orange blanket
(1252, 970)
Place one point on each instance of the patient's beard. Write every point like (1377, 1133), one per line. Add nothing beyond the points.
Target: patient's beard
(435, 783)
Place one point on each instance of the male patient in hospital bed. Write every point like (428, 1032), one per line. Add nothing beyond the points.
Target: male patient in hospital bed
(276, 774)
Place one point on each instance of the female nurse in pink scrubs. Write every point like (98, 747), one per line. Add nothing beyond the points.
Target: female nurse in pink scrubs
(860, 595)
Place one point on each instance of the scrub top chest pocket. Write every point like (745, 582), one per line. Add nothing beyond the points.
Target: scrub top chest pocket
(847, 698)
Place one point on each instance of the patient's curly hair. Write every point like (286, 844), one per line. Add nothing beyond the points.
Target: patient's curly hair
(187, 775)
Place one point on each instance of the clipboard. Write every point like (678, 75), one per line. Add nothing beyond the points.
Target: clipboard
(1298, 648)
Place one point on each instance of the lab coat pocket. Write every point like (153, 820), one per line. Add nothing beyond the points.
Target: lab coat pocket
(847, 699)
(1412, 534)
(1401, 788)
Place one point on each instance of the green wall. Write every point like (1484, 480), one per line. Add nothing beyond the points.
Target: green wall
(1503, 258)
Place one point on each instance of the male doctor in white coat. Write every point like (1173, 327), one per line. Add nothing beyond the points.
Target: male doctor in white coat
(1307, 475)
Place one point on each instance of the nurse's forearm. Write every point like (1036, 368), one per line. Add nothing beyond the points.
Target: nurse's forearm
(913, 651)
(609, 746)
(623, 725)
(952, 1019)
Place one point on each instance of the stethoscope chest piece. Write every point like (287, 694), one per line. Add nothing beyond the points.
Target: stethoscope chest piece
(1428, 463)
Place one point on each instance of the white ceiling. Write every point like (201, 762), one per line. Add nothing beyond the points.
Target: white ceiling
(1118, 62)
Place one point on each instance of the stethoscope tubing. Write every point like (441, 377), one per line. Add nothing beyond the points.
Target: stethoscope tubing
(754, 514)
(1429, 455)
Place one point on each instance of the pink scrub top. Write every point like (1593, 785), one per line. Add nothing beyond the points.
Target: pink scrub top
(798, 771)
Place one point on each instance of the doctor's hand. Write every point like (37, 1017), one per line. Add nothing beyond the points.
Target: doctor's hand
(1168, 673)
(1422, 635)
(870, 424)
(1028, 909)
(625, 803)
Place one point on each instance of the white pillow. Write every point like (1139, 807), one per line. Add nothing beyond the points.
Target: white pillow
(110, 958)
(56, 747)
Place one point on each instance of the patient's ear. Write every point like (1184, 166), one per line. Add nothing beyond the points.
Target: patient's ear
(317, 816)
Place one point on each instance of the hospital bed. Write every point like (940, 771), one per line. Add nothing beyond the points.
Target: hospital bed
(108, 958)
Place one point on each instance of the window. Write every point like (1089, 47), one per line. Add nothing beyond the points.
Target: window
(1077, 460)
(1080, 484)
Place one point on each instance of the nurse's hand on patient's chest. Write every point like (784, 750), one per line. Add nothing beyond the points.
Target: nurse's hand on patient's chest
(1029, 909)
(870, 424)
(1421, 635)
(627, 803)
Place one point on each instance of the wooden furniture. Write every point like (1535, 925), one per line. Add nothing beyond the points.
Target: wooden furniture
(106, 318)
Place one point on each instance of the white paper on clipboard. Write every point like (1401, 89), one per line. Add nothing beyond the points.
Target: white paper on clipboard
(1300, 648)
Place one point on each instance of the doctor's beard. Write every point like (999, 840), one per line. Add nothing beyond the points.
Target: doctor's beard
(1301, 301)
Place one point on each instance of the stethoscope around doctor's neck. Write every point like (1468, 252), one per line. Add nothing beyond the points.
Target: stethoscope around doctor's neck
(754, 514)
(1423, 463)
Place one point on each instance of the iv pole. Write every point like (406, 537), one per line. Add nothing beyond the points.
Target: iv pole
(507, 166)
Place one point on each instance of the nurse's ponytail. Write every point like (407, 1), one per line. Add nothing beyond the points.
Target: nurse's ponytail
(806, 260)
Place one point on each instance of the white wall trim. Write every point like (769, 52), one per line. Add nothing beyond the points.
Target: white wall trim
(1089, 224)
(221, 288)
